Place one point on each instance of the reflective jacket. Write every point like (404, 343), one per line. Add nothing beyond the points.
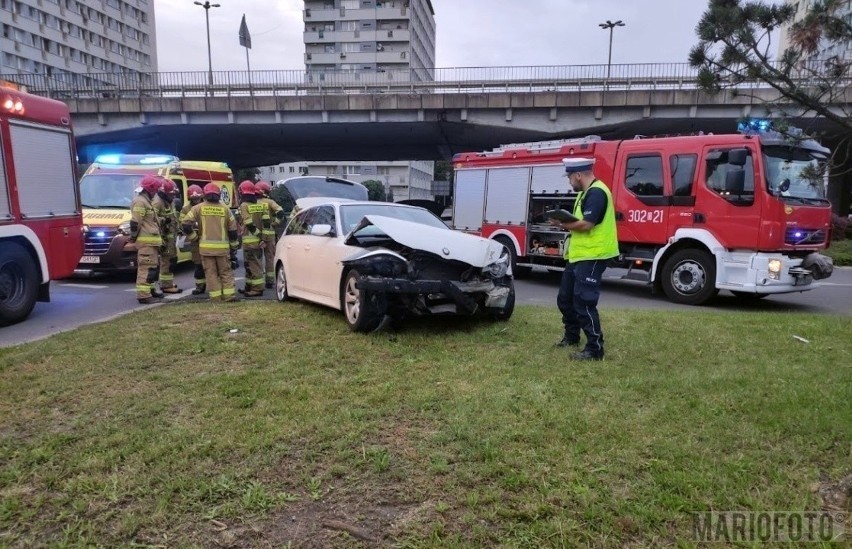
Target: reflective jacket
(217, 228)
(144, 216)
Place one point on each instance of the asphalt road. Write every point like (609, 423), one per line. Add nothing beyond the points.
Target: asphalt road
(80, 301)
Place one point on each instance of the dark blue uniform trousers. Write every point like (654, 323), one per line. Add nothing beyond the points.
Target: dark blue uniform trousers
(578, 301)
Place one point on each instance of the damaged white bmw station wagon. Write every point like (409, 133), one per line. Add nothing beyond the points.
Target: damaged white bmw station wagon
(380, 260)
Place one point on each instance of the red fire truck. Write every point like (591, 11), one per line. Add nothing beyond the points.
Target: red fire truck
(41, 224)
(695, 214)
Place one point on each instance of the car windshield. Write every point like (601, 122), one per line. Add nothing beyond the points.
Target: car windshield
(109, 190)
(352, 214)
(304, 187)
(795, 172)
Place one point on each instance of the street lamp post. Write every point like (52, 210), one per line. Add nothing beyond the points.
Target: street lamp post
(207, 5)
(608, 25)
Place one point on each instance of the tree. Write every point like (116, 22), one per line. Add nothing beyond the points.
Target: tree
(243, 174)
(375, 190)
(280, 195)
(735, 47)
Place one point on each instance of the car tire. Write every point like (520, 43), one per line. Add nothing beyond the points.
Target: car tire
(504, 313)
(19, 283)
(281, 293)
(689, 277)
(517, 272)
(358, 306)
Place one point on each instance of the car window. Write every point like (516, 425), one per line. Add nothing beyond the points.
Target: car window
(324, 215)
(298, 225)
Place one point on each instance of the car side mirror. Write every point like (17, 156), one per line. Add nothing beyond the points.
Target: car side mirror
(737, 157)
(735, 181)
(322, 229)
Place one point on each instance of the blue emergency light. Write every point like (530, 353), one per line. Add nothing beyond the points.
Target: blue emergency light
(755, 125)
(145, 159)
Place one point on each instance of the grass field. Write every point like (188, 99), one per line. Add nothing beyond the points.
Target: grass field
(163, 428)
(841, 252)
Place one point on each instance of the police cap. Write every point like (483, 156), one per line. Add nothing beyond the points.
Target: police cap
(574, 165)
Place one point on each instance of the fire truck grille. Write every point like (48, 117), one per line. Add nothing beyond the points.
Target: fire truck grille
(795, 236)
(98, 240)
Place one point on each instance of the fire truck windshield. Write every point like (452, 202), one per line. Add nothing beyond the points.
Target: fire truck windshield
(108, 190)
(795, 173)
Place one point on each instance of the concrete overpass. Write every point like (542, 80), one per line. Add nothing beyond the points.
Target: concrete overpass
(266, 117)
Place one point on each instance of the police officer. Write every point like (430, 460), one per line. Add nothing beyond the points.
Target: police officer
(194, 195)
(217, 242)
(145, 235)
(253, 216)
(276, 215)
(164, 204)
(592, 244)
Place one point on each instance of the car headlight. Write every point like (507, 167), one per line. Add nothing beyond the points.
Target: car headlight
(124, 228)
(774, 269)
(499, 268)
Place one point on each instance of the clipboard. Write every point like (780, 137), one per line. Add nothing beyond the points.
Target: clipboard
(560, 215)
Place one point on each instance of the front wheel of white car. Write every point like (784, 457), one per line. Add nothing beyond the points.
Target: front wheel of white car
(505, 312)
(281, 284)
(358, 306)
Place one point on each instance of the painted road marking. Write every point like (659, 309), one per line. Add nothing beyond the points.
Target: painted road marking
(85, 286)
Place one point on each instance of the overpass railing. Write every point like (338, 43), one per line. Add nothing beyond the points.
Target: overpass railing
(326, 82)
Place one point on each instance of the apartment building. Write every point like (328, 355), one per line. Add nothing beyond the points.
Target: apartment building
(842, 50)
(395, 37)
(392, 39)
(404, 179)
(66, 40)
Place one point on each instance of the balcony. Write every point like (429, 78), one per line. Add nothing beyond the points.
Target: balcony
(342, 14)
(330, 37)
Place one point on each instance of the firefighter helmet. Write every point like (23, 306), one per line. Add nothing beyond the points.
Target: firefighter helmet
(151, 184)
(169, 188)
(247, 187)
(211, 191)
(263, 188)
(194, 191)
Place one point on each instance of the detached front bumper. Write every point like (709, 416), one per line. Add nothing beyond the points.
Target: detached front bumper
(467, 296)
(765, 273)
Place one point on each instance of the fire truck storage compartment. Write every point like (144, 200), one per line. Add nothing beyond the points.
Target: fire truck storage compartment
(506, 196)
(42, 157)
(469, 201)
(549, 190)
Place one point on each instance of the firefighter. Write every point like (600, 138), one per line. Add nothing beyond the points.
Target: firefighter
(254, 216)
(276, 215)
(164, 204)
(145, 235)
(195, 195)
(217, 242)
(592, 244)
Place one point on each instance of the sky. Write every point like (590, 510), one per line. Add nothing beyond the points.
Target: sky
(470, 33)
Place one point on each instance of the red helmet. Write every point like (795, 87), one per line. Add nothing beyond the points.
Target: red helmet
(194, 191)
(169, 188)
(247, 187)
(151, 184)
(211, 189)
(263, 187)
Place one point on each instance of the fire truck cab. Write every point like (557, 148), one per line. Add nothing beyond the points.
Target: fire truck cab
(41, 224)
(695, 214)
(108, 187)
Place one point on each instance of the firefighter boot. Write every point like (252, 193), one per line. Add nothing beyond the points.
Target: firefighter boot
(172, 290)
(149, 300)
(199, 289)
(253, 293)
(156, 293)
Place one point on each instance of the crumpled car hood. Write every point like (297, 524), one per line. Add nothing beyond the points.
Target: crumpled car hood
(445, 243)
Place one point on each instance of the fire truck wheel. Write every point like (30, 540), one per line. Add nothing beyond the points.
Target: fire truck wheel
(689, 277)
(517, 272)
(18, 283)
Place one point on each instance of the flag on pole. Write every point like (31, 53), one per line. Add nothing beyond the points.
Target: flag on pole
(245, 37)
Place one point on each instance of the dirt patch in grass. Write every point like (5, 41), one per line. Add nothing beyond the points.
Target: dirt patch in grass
(836, 496)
